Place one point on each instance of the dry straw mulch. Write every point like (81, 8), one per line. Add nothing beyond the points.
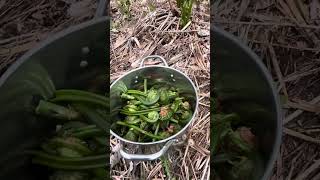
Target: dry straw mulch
(286, 35)
(25, 23)
(157, 32)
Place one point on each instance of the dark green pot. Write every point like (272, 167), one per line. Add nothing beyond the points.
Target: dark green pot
(58, 62)
(241, 77)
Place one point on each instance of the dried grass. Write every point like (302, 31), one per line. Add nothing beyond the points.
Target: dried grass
(285, 34)
(184, 48)
(23, 23)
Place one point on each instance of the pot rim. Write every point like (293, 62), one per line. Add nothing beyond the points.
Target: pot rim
(276, 99)
(178, 133)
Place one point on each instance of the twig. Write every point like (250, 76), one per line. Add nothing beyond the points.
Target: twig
(308, 171)
(288, 156)
(304, 106)
(267, 24)
(316, 177)
(15, 38)
(186, 31)
(192, 168)
(11, 7)
(301, 136)
(279, 165)
(284, 46)
(295, 76)
(278, 70)
(202, 104)
(207, 168)
(289, 177)
(298, 112)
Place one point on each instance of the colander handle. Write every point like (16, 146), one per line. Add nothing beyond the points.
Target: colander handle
(153, 57)
(148, 157)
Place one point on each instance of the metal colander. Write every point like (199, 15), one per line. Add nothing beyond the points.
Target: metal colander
(134, 79)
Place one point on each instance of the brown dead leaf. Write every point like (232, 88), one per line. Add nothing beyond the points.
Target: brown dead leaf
(303, 8)
(79, 9)
(246, 135)
(135, 64)
(175, 59)
(170, 129)
(295, 11)
(314, 9)
(203, 33)
(195, 68)
(19, 27)
(284, 8)
(262, 4)
(243, 7)
(120, 41)
(37, 15)
(2, 3)
(301, 44)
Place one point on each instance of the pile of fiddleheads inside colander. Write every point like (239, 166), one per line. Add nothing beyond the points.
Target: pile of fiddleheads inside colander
(151, 113)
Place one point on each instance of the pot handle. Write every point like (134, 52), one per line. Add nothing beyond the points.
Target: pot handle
(153, 56)
(148, 157)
